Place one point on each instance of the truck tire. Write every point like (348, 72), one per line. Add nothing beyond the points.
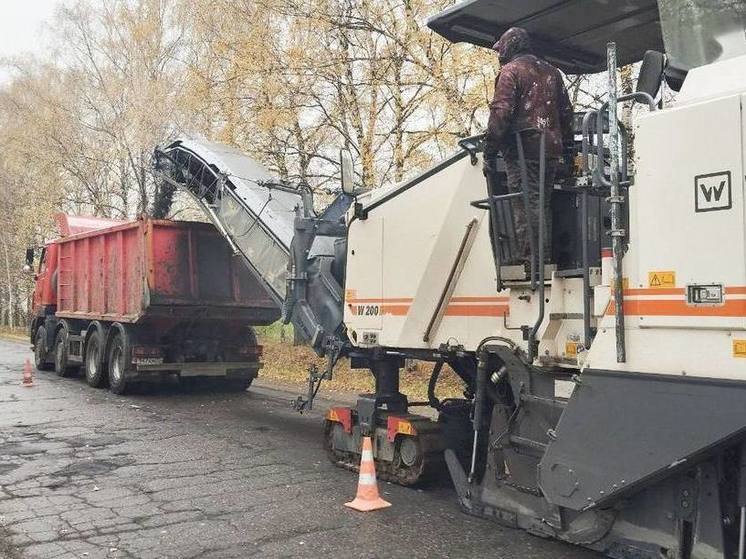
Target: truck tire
(119, 363)
(61, 365)
(232, 384)
(93, 364)
(40, 350)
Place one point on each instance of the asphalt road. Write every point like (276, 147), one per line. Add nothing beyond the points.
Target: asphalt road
(85, 473)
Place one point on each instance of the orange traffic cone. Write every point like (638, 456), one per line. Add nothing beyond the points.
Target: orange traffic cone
(367, 498)
(28, 376)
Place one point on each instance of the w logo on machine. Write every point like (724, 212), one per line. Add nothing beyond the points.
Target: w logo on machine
(712, 192)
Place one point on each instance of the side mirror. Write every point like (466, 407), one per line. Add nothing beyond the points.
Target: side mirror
(348, 172)
(651, 73)
(28, 267)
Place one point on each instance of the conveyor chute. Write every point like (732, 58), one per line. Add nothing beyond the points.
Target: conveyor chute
(252, 210)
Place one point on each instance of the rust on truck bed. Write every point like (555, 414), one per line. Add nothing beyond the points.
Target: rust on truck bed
(143, 269)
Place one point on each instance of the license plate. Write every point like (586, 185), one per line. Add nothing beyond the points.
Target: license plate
(148, 361)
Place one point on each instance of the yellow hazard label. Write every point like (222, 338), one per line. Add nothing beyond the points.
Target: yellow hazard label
(739, 348)
(571, 349)
(405, 428)
(659, 280)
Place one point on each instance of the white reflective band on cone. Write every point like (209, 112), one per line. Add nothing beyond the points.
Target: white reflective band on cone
(367, 455)
(367, 479)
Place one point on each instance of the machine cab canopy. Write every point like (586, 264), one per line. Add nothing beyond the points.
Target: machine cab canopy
(572, 34)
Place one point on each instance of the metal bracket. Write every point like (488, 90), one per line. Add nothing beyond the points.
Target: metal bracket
(315, 377)
(360, 212)
(301, 404)
(473, 145)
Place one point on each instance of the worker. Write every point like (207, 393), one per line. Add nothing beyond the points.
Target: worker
(529, 93)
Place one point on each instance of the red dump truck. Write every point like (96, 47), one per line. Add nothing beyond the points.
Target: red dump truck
(137, 301)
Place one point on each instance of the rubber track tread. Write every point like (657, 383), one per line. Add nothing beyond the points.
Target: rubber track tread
(430, 468)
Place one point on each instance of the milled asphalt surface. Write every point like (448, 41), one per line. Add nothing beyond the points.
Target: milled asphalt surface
(164, 473)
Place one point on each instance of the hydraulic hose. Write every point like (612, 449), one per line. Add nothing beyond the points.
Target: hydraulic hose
(482, 390)
(481, 384)
(432, 399)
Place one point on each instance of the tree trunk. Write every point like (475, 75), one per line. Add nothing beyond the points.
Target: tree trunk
(11, 294)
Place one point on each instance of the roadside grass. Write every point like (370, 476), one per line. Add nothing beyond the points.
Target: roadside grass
(20, 334)
(288, 364)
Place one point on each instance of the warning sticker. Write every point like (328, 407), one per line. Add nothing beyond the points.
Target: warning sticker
(659, 280)
(571, 349)
(405, 428)
(739, 348)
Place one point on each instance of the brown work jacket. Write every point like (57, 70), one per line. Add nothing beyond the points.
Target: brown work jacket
(529, 93)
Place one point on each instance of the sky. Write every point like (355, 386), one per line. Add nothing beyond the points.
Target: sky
(22, 27)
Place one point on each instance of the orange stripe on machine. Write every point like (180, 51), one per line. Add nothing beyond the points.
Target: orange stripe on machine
(477, 310)
(656, 291)
(663, 307)
(385, 300)
(458, 306)
(452, 310)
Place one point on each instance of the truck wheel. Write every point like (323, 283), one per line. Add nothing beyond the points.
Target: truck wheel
(61, 365)
(119, 361)
(95, 375)
(40, 350)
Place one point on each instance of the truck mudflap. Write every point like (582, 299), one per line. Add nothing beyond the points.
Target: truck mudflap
(232, 369)
(407, 448)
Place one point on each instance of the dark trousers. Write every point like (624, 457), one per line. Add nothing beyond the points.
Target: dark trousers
(521, 215)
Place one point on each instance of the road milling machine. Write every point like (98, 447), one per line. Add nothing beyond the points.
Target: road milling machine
(605, 383)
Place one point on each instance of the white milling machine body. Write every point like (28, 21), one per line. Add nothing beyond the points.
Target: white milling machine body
(633, 444)
(605, 393)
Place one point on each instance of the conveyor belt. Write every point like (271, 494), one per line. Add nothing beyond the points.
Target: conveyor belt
(252, 210)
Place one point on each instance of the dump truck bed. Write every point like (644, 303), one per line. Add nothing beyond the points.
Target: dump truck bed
(155, 268)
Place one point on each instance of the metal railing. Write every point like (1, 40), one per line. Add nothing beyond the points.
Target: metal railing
(502, 227)
(617, 180)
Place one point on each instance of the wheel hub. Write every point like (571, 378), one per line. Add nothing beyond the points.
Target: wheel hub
(116, 368)
(93, 360)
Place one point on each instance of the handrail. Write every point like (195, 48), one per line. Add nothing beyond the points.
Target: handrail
(585, 133)
(483, 204)
(526, 204)
(616, 201)
(537, 266)
(533, 345)
(491, 203)
(599, 173)
(586, 270)
(453, 276)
